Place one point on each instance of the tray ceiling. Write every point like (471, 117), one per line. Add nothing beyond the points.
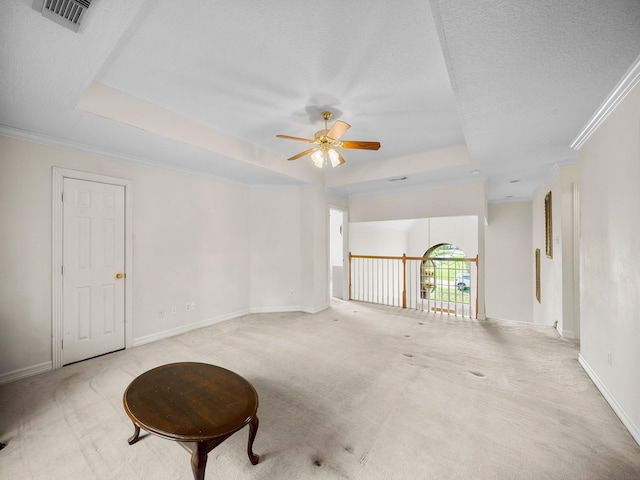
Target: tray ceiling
(491, 91)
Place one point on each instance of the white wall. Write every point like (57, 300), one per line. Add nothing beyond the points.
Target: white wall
(509, 274)
(25, 257)
(179, 253)
(549, 309)
(556, 273)
(314, 249)
(274, 234)
(467, 199)
(378, 238)
(194, 240)
(609, 265)
(460, 231)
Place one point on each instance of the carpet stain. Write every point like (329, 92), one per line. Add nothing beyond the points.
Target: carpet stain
(477, 374)
(409, 355)
(407, 336)
(317, 461)
(68, 379)
(348, 449)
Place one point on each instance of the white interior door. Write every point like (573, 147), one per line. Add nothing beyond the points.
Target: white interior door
(93, 269)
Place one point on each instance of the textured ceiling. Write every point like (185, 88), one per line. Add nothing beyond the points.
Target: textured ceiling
(495, 88)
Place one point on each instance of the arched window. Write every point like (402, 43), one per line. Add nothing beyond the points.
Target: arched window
(445, 274)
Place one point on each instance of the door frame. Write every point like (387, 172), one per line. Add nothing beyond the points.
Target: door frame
(346, 291)
(57, 186)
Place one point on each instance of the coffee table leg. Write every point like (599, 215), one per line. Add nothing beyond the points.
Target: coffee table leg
(199, 460)
(253, 429)
(134, 438)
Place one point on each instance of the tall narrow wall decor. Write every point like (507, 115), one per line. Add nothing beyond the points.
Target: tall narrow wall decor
(548, 227)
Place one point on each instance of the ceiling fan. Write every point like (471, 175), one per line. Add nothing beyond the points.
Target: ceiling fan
(327, 141)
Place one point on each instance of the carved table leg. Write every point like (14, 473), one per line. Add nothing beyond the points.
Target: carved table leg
(199, 460)
(253, 429)
(134, 438)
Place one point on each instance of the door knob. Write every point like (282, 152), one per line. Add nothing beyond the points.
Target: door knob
(119, 275)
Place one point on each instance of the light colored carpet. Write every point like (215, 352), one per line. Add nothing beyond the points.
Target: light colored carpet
(356, 392)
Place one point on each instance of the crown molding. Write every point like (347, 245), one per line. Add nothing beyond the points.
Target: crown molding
(544, 185)
(80, 147)
(630, 80)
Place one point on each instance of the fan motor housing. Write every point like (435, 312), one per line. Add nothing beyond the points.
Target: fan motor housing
(321, 136)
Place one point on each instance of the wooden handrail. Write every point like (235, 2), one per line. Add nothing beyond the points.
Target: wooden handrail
(375, 256)
(404, 258)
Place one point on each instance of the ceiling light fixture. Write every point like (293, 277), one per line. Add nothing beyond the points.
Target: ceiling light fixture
(324, 156)
(327, 140)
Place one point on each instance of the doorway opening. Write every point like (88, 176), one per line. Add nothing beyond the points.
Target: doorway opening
(336, 252)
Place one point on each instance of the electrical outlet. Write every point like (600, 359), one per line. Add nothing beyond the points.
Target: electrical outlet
(609, 358)
(161, 313)
(173, 310)
(187, 306)
(291, 293)
(193, 305)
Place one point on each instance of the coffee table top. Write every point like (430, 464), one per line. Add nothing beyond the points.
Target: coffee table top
(190, 401)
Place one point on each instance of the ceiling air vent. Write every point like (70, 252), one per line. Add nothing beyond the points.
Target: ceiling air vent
(68, 13)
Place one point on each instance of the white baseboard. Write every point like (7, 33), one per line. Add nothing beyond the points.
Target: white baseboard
(289, 309)
(316, 309)
(566, 333)
(26, 372)
(619, 411)
(274, 309)
(154, 337)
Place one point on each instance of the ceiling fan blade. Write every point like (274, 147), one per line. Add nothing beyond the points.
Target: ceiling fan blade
(301, 154)
(338, 129)
(360, 145)
(295, 138)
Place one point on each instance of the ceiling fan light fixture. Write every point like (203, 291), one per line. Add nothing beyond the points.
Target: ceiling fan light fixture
(334, 158)
(322, 157)
(317, 158)
(327, 140)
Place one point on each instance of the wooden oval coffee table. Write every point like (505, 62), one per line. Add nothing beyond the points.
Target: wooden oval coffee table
(196, 404)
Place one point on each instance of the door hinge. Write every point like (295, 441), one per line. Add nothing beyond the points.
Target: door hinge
(62, 343)
(62, 270)
(63, 196)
